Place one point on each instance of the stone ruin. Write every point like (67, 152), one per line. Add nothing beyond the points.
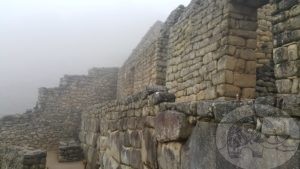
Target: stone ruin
(215, 86)
(69, 151)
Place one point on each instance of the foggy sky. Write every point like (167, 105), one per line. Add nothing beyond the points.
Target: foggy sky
(41, 40)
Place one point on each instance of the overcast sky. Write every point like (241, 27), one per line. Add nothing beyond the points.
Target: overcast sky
(41, 40)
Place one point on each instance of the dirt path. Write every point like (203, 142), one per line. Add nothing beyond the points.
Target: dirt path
(52, 163)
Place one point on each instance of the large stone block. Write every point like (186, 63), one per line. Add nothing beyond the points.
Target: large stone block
(290, 104)
(248, 93)
(284, 86)
(115, 140)
(91, 157)
(278, 126)
(210, 93)
(131, 157)
(236, 41)
(132, 139)
(200, 151)
(149, 148)
(221, 109)
(294, 52)
(280, 55)
(109, 162)
(293, 23)
(244, 80)
(287, 69)
(248, 54)
(227, 63)
(171, 126)
(227, 90)
(102, 143)
(169, 155)
(91, 138)
(222, 77)
(250, 67)
(159, 97)
(267, 110)
(204, 109)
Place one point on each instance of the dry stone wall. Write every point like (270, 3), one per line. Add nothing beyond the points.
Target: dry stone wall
(265, 78)
(57, 114)
(145, 66)
(150, 131)
(21, 158)
(286, 28)
(204, 51)
(211, 51)
(184, 98)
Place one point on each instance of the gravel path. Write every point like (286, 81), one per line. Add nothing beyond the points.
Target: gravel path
(52, 163)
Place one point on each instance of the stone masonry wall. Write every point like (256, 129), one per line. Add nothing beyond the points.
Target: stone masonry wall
(57, 114)
(145, 65)
(286, 30)
(211, 51)
(183, 99)
(21, 158)
(265, 78)
(150, 131)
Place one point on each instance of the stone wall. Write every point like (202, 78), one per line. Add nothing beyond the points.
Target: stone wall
(150, 131)
(21, 158)
(145, 66)
(106, 127)
(57, 114)
(70, 151)
(286, 30)
(182, 99)
(211, 51)
(265, 78)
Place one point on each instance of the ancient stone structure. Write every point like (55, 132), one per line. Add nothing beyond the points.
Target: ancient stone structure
(286, 28)
(69, 151)
(215, 86)
(21, 158)
(57, 113)
(146, 64)
(265, 78)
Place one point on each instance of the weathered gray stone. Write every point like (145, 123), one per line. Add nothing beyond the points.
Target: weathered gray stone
(200, 150)
(131, 157)
(205, 109)
(280, 55)
(239, 113)
(69, 151)
(115, 145)
(169, 155)
(268, 100)
(171, 126)
(262, 110)
(109, 162)
(149, 148)
(284, 86)
(289, 104)
(221, 109)
(287, 69)
(13, 157)
(159, 97)
(281, 127)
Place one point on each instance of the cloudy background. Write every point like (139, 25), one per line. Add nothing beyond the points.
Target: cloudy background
(41, 40)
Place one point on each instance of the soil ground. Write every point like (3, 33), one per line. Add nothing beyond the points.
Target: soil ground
(52, 162)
